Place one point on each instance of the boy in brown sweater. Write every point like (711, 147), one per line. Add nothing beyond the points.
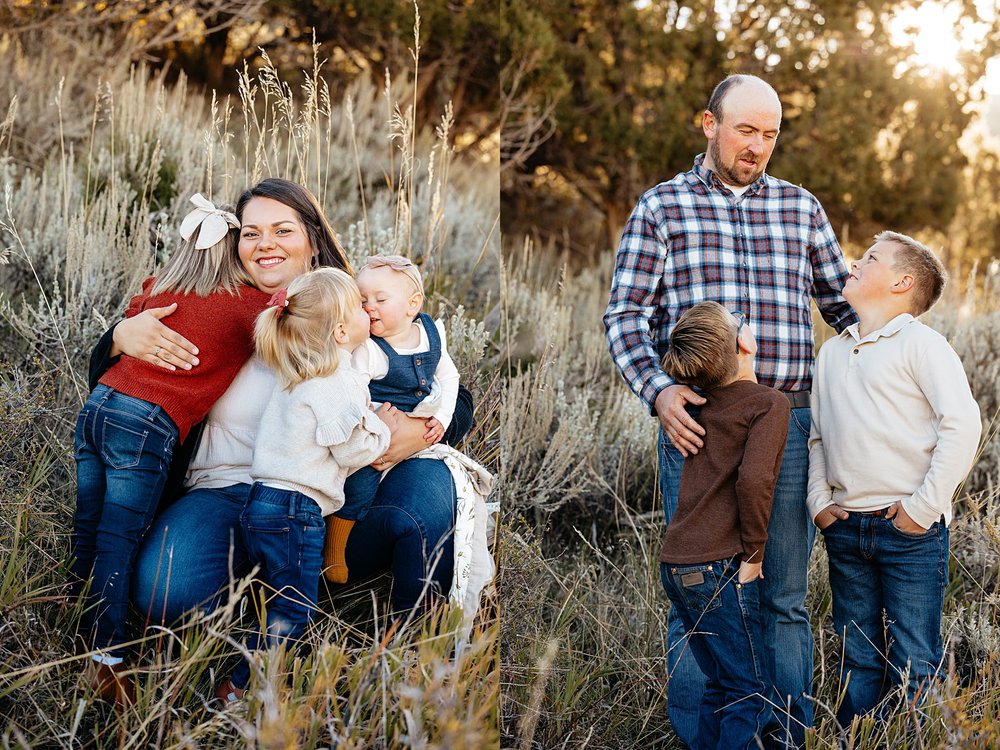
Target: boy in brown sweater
(710, 559)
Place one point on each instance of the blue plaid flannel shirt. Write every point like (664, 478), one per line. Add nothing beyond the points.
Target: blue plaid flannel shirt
(765, 253)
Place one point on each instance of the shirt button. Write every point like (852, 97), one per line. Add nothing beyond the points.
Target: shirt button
(416, 361)
(420, 393)
(856, 351)
(423, 382)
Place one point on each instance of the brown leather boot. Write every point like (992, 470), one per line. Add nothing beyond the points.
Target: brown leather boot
(111, 685)
(228, 694)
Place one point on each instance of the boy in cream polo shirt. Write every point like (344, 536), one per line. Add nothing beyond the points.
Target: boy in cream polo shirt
(894, 432)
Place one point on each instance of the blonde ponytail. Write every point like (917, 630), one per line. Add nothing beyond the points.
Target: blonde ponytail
(296, 339)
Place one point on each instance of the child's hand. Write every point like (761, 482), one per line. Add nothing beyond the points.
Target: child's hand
(828, 515)
(902, 521)
(388, 414)
(435, 431)
(750, 572)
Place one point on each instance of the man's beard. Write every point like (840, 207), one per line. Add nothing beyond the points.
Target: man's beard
(733, 175)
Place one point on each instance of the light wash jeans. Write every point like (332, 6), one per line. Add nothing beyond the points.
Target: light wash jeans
(788, 640)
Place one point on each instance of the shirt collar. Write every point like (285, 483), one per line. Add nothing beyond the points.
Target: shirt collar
(711, 180)
(891, 328)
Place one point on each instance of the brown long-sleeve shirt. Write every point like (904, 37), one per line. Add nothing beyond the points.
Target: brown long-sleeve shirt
(727, 487)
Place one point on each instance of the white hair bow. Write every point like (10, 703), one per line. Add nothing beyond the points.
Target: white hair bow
(214, 222)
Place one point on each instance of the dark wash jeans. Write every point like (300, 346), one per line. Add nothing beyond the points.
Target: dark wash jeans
(122, 448)
(360, 490)
(788, 643)
(724, 633)
(195, 547)
(874, 567)
(283, 533)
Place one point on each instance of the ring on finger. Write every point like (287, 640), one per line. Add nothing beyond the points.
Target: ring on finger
(156, 352)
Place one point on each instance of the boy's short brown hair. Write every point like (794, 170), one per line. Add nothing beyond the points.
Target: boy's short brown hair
(703, 347)
(928, 272)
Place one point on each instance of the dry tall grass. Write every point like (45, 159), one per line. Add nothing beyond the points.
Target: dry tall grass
(97, 160)
(583, 631)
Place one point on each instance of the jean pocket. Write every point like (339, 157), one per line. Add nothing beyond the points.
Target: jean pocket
(269, 544)
(802, 419)
(121, 445)
(698, 586)
(831, 526)
(911, 534)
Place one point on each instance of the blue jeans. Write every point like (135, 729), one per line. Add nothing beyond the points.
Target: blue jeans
(195, 547)
(875, 567)
(122, 448)
(360, 490)
(283, 531)
(409, 530)
(723, 622)
(788, 641)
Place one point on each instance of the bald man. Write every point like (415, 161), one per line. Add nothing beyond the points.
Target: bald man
(729, 232)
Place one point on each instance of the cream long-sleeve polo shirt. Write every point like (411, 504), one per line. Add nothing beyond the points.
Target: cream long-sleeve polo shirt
(893, 419)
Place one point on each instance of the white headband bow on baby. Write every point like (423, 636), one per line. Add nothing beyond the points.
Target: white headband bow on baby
(214, 222)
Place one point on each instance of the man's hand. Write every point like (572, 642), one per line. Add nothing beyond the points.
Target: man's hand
(828, 515)
(902, 521)
(750, 572)
(682, 430)
(435, 431)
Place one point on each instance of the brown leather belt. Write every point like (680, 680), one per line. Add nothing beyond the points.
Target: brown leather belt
(798, 400)
(881, 512)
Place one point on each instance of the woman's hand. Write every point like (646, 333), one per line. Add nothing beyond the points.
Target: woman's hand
(407, 439)
(144, 337)
(390, 415)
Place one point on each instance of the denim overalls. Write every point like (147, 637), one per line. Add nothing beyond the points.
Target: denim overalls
(406, 384)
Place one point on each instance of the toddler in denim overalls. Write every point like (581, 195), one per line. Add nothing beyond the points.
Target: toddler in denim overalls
(408, 363)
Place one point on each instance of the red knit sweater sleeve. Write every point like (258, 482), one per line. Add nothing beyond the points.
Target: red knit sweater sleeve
(137, 304)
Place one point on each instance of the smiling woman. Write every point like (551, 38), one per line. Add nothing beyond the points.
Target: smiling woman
(283, 233)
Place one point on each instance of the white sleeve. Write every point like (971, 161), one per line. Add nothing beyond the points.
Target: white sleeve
(820, 493)
(440, 401)
(370, 360)
(367, 441)
(945, 385)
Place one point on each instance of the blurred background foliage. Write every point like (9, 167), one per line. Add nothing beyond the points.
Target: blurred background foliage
(884, 104)
(206, 39)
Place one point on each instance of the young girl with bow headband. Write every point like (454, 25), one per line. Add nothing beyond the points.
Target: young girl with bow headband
(127, 429)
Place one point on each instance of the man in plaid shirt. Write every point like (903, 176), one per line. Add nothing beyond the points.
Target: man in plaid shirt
(728, 232)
